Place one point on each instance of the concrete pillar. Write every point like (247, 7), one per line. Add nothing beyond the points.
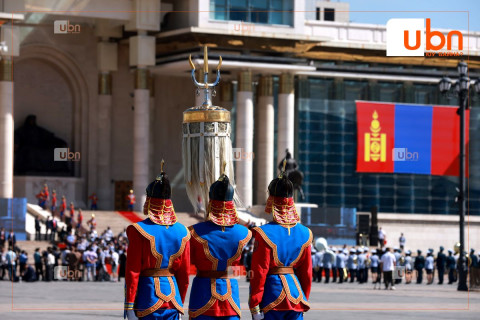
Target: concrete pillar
(286, 116)
(264, 136)
(107, 53)
(151, 116)
(226, 95)
(6, 128)
(104, 141)
(141, 133)
(244, 139)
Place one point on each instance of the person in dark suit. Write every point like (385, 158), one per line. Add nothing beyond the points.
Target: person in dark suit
(441, 261)
(451, 266)
(37, 228)
(3, 237)
(418, 265)
(12, 239)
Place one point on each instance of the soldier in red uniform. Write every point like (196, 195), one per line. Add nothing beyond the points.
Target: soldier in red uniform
(216, 248)
(158, 258)
(93, 205)
(281, 261)
(54, 202)
(131, 200)
(63, 207)
(42, 199)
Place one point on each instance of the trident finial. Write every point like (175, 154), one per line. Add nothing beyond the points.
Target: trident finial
(205, 85)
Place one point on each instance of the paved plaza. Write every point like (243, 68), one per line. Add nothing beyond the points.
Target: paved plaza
(95, 300)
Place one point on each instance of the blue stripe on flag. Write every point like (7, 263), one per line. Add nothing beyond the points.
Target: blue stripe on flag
(413, 139)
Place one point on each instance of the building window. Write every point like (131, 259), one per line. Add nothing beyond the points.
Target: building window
(253, 11)
(318, 14)
(329, 14)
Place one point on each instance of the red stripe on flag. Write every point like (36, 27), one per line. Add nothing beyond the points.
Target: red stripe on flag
(368, 147)
(446, 141)
(129, 215)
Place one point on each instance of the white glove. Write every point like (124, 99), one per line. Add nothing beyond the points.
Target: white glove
(257, 316)
(131, 315)
(179, 316)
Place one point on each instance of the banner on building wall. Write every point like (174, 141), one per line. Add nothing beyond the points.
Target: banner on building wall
(408, 138)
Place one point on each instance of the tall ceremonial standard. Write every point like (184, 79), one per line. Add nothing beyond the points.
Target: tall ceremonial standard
(158, 258)
(281, 261)
(206, 139)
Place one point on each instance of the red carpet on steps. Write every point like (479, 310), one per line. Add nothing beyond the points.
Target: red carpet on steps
(130, 216)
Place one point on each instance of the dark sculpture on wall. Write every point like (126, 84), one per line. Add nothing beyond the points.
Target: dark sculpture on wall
(294, 175)
(34, 151)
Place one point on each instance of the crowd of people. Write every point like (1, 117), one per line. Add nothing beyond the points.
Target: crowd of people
(77, 257)
(360, 264)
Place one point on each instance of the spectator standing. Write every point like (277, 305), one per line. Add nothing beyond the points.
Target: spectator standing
(11, 258)
(451, 266)
(401, 242)
(441, 261)
(381, 237)
(37, 257)
(388, 265)
(37, 228)
(90, 258)
(374, 260)
(341, 258)
(429, 266)
(3, 237)
(12, 239)
(22, 261)
(3, 262)
(418, 265)
(408, 266)
(49, 228)
(114, 261)
(50, 264)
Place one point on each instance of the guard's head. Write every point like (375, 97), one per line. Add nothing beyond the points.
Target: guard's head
(160, 187)
(281, 187)
(221, 190)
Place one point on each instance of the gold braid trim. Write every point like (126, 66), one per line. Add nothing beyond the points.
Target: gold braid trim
(180, 251)
(152, 309)
(305, 245)
(153, 248)
(275, 303)
(241, 244)
(234, 306)
(206, 250)
(287, 289)
(271, 245)
(208, 305)
(216, 295)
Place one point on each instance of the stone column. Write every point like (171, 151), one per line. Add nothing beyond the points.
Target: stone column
(151, 115)
(243, 152)
(286, 116)
(104, 142)
(264, 136)
(141, 134)
(6, 128)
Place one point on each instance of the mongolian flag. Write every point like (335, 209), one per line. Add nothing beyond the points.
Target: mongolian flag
(407, 138)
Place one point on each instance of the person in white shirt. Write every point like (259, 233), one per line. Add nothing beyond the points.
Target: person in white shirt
(374, 259)
(381, 238)
(114, 260)
(50, 264)
(319, 265)
(401, 241)
(11, 258)
(429, 265)
(108, 234)
(388, 265)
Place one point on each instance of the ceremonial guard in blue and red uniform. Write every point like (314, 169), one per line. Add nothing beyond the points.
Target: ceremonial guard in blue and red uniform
(158, 258)
(216, 249)
(281, 261)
